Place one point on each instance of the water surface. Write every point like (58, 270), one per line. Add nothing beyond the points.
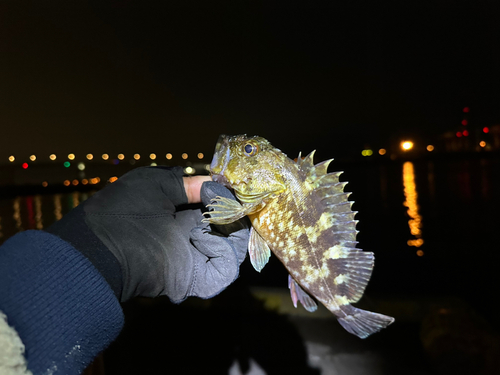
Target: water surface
(431, 224)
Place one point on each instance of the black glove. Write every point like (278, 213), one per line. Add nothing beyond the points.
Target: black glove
(160, 244)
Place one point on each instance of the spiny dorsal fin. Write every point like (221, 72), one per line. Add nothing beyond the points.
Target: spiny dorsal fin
(317, 172)
(307, 163)
(330, 180)
(351, 268)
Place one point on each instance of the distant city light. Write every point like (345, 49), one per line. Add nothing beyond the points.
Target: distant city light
(430, 148)
(382, 151)
(90, 156)
(85, 181)
(154, 164)
(75, 182)
(367, 152)
(45, 184)
(482, 144)
(420, 253)
(81, 166)
(184, 156)
(152, 156)
(137, 156)
(25, 165)
(67, 182)
(465, 133)
(169, 156)
(464, 122)
(66, 164)
(105, 156)
(71, 156)
(121, 156)
(113, 179)
(52, 157)
(466, 109)
(200, 155)
(189, 170)
(207, 167)
(406, 145)
(486, 129)
(459, 134)
(11, 158)
(33, 157)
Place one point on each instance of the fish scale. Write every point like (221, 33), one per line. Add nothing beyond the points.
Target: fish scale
(300, 213)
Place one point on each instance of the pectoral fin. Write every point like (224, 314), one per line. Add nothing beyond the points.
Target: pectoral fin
(297, 293)
(258, 250)
(224, 211)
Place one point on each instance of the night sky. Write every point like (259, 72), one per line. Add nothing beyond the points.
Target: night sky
(123, 76)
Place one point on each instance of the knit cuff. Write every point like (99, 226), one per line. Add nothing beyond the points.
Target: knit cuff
(61, 306)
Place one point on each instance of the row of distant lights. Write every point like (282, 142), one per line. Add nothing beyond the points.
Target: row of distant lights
(106, 156)
(405, 146)
(465, 133)
(85, 181)
(96, 180)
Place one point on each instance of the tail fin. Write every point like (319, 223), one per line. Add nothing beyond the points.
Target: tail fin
(362, 323)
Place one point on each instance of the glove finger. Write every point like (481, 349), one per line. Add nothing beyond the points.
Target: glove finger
(210, 190)
(169, 180)
(239, 239)
(217, 264)
(188, 219)
(211, 244)
(142, 191)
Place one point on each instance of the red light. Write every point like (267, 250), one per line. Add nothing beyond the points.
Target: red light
(466, 109)
(459, 134)
(486, 129)
(465, 133)
(464, 122)
(25, 165)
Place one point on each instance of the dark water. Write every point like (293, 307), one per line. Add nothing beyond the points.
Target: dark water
(432, 226)
(451, 208)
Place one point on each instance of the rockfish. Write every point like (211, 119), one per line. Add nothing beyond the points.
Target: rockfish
(300, 213)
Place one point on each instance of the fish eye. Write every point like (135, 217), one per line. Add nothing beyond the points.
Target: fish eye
(250, 150)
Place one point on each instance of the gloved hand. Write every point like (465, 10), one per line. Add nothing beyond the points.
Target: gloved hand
(157, 240)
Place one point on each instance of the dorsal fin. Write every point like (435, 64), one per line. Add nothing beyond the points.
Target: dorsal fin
(350, 267)
(316, 173)
(307, 163)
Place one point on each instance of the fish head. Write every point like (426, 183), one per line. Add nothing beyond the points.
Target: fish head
(249, 165)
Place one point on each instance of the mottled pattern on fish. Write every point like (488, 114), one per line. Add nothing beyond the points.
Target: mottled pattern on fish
(301, 213)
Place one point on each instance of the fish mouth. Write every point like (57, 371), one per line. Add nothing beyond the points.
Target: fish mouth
(221, 179)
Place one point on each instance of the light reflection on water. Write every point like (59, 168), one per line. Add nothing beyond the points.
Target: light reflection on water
(35, 211)
(38, 212)
(410, 192)
(440, 198)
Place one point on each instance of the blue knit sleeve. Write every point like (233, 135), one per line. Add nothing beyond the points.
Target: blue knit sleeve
(60, 305)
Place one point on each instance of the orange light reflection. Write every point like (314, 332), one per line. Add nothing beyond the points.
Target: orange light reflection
(57, 207)
(38, 212)
(410, 190)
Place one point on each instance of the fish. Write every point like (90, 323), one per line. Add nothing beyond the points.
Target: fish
(300, 213)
